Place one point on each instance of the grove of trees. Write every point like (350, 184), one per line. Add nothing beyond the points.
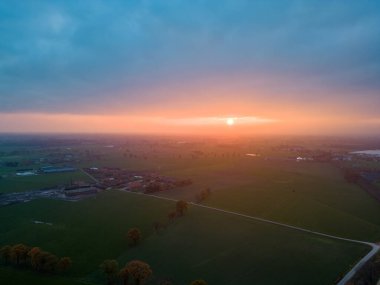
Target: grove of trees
(135, 270)
(21, 255)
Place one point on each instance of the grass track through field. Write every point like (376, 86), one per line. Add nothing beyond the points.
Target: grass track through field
(374, 247)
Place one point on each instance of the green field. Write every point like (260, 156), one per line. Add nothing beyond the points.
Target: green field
(196, 246)
(17, 184)
(220, 248)
(310, 195)
(11, 276)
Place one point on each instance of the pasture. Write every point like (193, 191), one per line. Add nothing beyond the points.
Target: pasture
(195, 246)
(14, 183)
(307, 194)
(220, 248)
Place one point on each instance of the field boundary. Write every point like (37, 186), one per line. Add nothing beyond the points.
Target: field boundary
(347, 277)
(89, 175)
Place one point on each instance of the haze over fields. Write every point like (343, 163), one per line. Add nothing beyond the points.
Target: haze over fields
(299, 67)
(190, 142)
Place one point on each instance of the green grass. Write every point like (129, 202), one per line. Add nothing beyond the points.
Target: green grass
(308, 194)
(221, 248)
(89, 231)
(224, 249)
(311, 195)
(11, 276)
(25, 183)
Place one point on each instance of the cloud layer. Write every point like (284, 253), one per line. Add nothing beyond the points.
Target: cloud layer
(99, 57)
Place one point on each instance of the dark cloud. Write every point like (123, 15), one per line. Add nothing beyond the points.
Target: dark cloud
(98, 53)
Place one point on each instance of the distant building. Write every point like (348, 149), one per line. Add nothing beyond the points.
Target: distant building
(54, 169)
(25, 172)
(81, 191)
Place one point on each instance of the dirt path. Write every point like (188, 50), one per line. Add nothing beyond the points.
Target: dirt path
(374, 247)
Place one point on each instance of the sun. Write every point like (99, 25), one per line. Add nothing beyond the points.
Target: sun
(230, 121)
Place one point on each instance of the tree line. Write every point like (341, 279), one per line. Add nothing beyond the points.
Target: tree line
(137, 270)
(21, 255)
(134, 234)
(179, 211)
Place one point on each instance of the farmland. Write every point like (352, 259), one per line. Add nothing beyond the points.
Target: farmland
(19, 184)
(195, 246)
(272, 184)
(311, 195)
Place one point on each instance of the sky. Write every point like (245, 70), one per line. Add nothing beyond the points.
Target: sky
(274, 66)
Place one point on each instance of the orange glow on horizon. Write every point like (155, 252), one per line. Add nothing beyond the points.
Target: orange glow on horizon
(264, 113)
(70, 123)
(21, 122)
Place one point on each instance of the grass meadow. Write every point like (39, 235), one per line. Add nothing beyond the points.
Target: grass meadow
(13, 183)
(220, 248)
(195, 246)
(307, 194)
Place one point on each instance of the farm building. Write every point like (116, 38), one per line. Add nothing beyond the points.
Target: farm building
(25, 172)
(52, 169)
(81, 191)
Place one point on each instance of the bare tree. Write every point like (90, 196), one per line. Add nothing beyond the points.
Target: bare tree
(124, 275)
(110, 267)
(5, 253)
(134, 234)
(139, 271)
(181, 207)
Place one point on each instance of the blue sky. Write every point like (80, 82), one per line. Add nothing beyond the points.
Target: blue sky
(91, 57)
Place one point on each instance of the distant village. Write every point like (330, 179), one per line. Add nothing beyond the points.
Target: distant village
(356, 167)
(105, 178)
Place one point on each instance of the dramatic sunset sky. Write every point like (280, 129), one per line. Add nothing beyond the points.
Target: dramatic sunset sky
(282, 66)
